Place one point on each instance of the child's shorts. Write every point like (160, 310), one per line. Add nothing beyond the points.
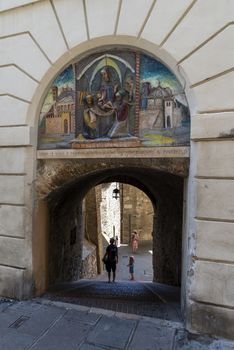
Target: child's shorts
(131, 269)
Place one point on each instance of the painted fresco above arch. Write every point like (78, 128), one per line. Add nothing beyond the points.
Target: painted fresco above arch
(118, 98)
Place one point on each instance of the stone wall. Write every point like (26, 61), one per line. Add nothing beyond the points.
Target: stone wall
(89, 260)
(92, 229)
(66, 236)
(167, 235)
(41, 248)
(75, 244)
(74, 180)
(133, 210)
(137, 214)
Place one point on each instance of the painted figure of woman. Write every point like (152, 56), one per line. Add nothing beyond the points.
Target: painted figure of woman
(90, 118)
(108, 89)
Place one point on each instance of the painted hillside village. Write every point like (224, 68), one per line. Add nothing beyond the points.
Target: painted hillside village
(94, 103)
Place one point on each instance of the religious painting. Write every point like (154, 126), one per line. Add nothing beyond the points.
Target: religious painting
(118, 98)
(105, 86)
(57, 117)
(164, 112)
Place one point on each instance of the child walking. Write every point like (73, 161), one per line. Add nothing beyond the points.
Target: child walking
(131, 267)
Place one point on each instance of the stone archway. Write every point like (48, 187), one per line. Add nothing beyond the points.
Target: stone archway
(57, 180)
(63, 185)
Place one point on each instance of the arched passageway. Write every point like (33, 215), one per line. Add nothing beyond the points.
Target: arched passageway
(166, 194)
(68, 186)
(116, 210)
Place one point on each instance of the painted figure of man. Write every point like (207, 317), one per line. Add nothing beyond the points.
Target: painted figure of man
(120, 127)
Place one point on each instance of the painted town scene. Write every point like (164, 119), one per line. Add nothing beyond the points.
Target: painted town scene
(114, 99)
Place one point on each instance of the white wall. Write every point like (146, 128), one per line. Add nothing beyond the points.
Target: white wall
(109, 211)
(195, 39)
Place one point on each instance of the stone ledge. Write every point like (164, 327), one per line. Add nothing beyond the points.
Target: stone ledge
(215, 199)
(210, 244)
(215, 158)
(12, 189)
(8, 107)
(12, 220)
(156, 321)
(212, 126)
(13, 160)
(13, 252)
(7, 5)
(212, 320)
(139, 152)
(23, 136)
(11, 282)
(213, 283)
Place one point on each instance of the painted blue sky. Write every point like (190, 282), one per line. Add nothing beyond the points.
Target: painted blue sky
(66, 77)
(152, 70)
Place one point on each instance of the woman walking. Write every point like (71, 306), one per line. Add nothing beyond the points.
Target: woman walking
(134, 241)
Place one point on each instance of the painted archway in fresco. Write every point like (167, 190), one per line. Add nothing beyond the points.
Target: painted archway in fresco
(118, 98)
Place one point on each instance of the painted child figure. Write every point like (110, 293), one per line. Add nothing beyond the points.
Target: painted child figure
(131, 267)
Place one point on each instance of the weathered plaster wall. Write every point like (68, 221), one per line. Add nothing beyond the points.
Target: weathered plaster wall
(92, 231)
(66, 183)
(194, 38)
(72, 242)
(167, 234)
(109, 210)
(40, 247)
(66, 236)
(137, 214)
(131, 211)
(89, 260)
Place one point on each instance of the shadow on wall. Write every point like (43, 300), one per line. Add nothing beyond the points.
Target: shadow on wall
(66, 212)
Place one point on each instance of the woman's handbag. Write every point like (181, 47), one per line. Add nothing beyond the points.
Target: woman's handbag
(104, 259)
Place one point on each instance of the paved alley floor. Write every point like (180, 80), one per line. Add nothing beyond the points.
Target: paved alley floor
(96, 315)
(140, 297)
(143, 269)
(43, 325)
